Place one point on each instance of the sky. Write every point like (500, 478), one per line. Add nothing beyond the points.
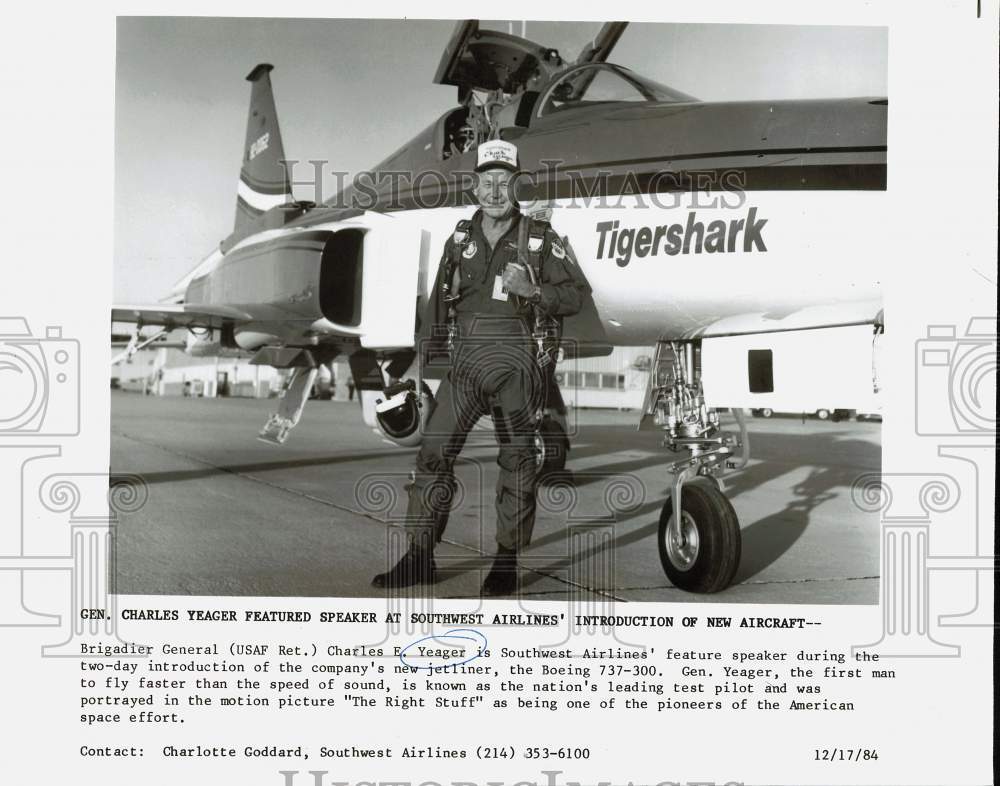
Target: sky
(352, 91)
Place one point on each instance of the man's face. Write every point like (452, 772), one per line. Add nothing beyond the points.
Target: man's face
(495, 191)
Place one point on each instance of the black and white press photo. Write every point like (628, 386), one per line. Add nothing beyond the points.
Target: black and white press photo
(549, 310)
(404, 396)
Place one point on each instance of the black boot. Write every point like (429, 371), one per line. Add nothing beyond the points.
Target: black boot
(503, 576)
(416, 566)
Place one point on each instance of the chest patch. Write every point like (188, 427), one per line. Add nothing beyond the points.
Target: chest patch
(470, 250)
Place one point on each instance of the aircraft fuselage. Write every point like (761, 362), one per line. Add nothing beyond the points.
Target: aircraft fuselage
(688, 219)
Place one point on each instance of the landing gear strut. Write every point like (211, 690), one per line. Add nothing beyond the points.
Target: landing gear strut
(699, 533)
(137, 342)
(290, 407)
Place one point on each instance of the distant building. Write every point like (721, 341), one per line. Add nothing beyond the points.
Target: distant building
(169, 371)
(211, 377)
(617, 381)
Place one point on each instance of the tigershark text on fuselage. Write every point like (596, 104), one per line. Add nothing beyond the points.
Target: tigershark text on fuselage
(694, 236)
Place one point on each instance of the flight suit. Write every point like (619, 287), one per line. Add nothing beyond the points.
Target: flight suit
(493, 370)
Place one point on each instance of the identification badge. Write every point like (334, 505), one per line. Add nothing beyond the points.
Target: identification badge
(499, 293)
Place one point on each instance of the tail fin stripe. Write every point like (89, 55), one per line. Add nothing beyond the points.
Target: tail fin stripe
(257, 200)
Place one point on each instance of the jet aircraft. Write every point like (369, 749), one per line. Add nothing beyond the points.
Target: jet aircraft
(694, 223)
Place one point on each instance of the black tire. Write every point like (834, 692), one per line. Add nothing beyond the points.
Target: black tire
(553, 447)
(823, 414)
(766, 412)
(713, 557)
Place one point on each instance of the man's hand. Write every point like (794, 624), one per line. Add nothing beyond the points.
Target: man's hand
(516, 281)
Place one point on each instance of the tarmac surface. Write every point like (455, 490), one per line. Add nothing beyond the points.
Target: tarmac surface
(230, 515)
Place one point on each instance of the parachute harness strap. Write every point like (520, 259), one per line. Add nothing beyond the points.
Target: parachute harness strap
(545, 329)
(452, 278)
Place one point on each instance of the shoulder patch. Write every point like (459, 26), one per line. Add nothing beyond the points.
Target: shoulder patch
(557, 249)
(462, 231)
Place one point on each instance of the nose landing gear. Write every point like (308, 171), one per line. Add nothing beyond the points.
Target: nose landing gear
(703, 553)
(699, 533)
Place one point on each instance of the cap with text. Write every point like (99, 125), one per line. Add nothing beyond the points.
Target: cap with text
(497, 153)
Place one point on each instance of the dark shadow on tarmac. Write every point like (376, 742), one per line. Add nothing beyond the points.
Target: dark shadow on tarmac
(767, 539)
(764, 541)
(261, 466)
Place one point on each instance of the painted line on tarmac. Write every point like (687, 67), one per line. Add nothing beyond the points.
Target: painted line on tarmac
(252, 478)
(757, 583)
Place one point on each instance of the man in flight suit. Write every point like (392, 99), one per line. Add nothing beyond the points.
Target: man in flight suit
(486, 300)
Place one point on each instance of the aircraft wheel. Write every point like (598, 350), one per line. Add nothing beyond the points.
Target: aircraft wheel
(823, 414)
(708, 554)
(551, 446)
(766, 412)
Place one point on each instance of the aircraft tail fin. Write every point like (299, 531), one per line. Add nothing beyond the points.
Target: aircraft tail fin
(263, 181)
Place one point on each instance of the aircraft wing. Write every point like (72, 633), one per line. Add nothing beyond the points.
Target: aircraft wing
(175, 315)
(862, 312)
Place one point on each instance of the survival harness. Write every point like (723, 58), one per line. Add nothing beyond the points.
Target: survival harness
(546, 330)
